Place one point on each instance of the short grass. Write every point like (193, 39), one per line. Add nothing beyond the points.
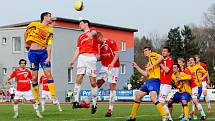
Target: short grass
(147, 112)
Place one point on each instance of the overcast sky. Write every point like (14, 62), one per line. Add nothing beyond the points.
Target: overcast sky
(148, 16)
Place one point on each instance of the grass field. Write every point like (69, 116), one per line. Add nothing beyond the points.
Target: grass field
(147, 112)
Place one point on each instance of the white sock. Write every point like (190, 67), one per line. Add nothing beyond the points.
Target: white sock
(199, 106)
(58, 105)
(112, 99)
(207, 101)
(43, 104)
(77, 89)
(94, 95)
(15, 108)
(167, 111)
(193, 106)
(36, 107)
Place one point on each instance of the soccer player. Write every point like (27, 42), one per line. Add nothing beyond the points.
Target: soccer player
(46, 94)
(152, 85)
(166, 78)
(86, 53)
(23, 77)
(197, 77)
(181, 81)
(38, 38)
(204, 83)
(109, 56)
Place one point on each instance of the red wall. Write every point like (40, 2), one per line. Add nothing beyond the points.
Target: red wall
(117, 35)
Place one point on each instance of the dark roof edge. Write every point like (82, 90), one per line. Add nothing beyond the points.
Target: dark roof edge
(73, 21)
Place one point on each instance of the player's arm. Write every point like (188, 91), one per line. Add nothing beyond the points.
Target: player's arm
(159, 60)
(75, 57)
(13, 74)
(205, 73)
(184, 76)
(165, 68)
(115, 57)
(144, 73)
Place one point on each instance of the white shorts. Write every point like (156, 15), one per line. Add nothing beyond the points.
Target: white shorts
(195, 92)
(165, 89)
(28, 95)
(204, 85)
(108, 75)
(87, 65)
(46, 94)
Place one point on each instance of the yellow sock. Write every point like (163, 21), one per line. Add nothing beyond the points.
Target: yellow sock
(36, 91)
(51, 86)
(134, 109)
(160, 109)
(182, 110)
(186, 110)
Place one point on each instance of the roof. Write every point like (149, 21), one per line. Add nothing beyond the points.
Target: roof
(73, 21)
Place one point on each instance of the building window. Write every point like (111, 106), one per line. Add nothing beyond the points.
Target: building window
(4, 40)
(16, 44)
(122, 69)
(123, 46)
(5, 71)
(70, 75)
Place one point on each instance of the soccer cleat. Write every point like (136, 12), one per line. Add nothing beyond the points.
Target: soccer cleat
(195, 117)
(39, 115)
(189, 117)
(203, 117)
(60, 110)
(209, 111)
(169, 120)
(184, 119)
(15, 115)
(75, 105)
(109, 113)
(131, 119)
(94, 108)
(164, 119)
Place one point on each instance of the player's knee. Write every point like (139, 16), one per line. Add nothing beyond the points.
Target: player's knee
(170, 104)
(34, 79)
(93, 84)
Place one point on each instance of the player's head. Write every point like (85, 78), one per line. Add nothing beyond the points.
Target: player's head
(176, 68)
(22, 63)
(46, 16)
(192, 61)
(84, 24)
(166, 51)
(147, 50)
(181, 62)
(197, 58)
(100, 37)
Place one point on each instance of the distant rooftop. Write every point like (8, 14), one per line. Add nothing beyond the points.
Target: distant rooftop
(73, 21)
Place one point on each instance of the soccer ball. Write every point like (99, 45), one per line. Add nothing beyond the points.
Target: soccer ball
(78, 5)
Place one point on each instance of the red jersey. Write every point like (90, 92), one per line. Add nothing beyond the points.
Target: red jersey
(23, 78)
(44, 82)
(166, 78)
(107, 50)
(87, 45)
(192, 81)
(205, 67)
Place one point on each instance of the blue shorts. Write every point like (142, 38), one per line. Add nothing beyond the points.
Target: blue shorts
(38, 57)
(199, 92)
(178, 97)
(151, 85)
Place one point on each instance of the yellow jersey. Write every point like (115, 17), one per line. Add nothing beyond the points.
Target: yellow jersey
(154, 72)
(38, 33)
(182, 84)
(197, 72)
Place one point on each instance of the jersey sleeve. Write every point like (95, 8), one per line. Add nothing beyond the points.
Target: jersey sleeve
(113, 45)
(50, 37)
(78, 42)
(184, 76)
(13, 74)
(170, 63)
(29, 75)
(202, 70)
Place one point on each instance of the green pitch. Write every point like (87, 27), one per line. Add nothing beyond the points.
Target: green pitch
(147, 112)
